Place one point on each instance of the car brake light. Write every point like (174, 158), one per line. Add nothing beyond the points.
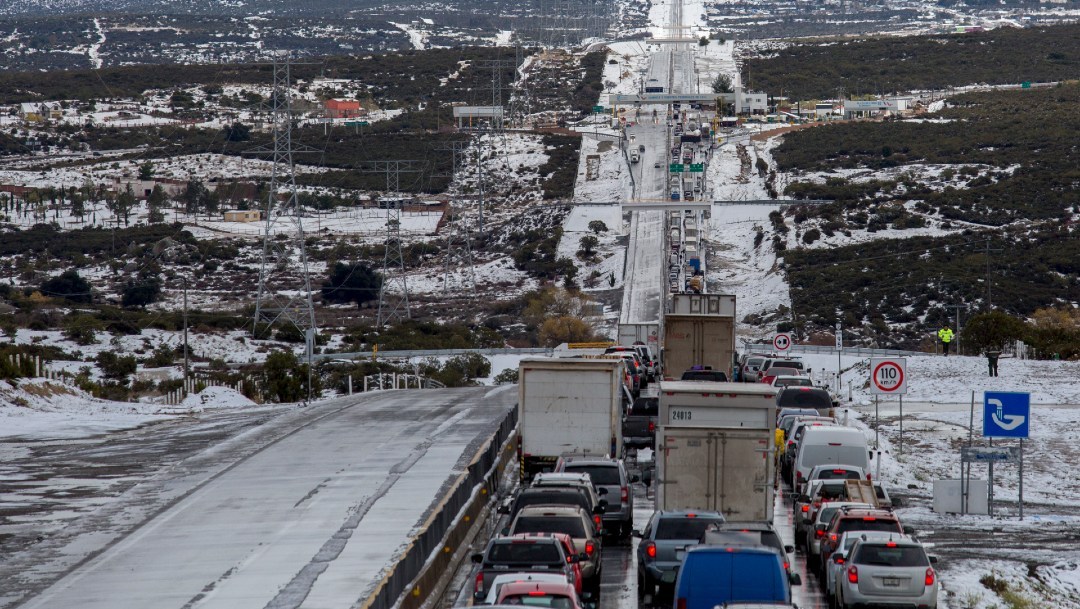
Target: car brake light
(891, 544)
(853, 574)
(832, 537)
(819, 533)
(596, 520)
(650, 549)
(681, 604)
(787, 566)
(839, 471)
(806, 508)
(929, 581)
(625, 494)
(691, 515)
(652, 427)
(868, 476)
(869, 519)
(536, 593)
(839, 560)
(479, 582)
(798, 477)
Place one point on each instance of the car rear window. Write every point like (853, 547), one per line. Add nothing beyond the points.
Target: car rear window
(570, 525)
(601, 475)
(782, 371)
(861, 524)
(704, 375)
(829, 492)
(646, 407)
(894, 556)
(682, 528)
(525, 552)
(838, 474)
(551, 497)
(804, 397)
(538, 600)
(799, 382)
(768, 539)
(787, 364)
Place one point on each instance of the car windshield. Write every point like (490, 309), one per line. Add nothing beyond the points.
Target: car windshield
(891, 555)
(570, 525)
(601, 475)
(525, 552)
(682, 528)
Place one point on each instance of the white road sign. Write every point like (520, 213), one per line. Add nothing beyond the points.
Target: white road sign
(781, 342)
(888, 375)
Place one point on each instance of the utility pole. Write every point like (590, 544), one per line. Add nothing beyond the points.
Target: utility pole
(957, 307)
(186, 363)
(989, 290)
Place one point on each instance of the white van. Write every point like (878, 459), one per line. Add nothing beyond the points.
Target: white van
(832, 445)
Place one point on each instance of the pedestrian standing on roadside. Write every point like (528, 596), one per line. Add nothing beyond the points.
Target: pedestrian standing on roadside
(945, 335)
(992, 356)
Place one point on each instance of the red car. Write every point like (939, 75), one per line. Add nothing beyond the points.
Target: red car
(775, 371)
(539, 594)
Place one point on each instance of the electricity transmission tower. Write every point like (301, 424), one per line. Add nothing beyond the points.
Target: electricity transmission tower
(394, 293)
(284, 256)
(497, 67)
(459, 274)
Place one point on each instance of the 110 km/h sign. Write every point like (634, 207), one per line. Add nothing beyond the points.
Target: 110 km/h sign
(888, 375)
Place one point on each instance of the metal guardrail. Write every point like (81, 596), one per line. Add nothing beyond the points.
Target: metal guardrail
(861, 351)
(409, 353)
(430, 539)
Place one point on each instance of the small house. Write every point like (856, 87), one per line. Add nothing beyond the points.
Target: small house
(243, 215)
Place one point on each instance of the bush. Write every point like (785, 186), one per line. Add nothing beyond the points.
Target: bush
(116, 367)
(285, 378)
(355, 282)
(508, 376)
(141, 292)
(68, 285)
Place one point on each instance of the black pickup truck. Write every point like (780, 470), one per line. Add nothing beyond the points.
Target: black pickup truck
(520, 553)
(639, 425)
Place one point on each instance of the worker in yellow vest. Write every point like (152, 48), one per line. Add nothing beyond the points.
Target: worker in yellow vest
(946, 336)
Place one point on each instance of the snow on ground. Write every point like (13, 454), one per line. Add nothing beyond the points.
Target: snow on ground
(632, 60)
(612, 256)
(215, 397)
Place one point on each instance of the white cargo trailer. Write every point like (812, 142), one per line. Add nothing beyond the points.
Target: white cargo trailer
(709, 404)
(715, 468)
(569, 406)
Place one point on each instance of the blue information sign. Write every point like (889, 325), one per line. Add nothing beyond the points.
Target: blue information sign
(1006, 414)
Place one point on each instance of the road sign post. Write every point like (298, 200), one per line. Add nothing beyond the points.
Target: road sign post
(781, 342)
(1007, 414)
(888, 376)
(839, 370)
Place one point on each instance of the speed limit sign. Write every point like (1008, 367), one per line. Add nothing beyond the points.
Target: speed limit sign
(781, 342)
(888, 375)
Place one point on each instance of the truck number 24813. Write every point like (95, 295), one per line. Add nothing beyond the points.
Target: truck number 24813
(681, 415)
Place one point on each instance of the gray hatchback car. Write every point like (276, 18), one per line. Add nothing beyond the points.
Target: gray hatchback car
(611, 476)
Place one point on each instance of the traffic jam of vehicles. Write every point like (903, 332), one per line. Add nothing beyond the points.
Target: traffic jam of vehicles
(708, 437)
(723, 438)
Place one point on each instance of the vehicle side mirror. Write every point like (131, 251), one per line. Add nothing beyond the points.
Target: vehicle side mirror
(909, 530)
(795, 579)
(601, 491)
(789, 549)
(505, 531)
(638, 534)
(600, 509)
(635, 478)
(478, 557)
(503, 509)
(582, 557)
(837, 558)
(933, 559)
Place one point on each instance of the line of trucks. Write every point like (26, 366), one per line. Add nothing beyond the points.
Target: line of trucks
(714, 440)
